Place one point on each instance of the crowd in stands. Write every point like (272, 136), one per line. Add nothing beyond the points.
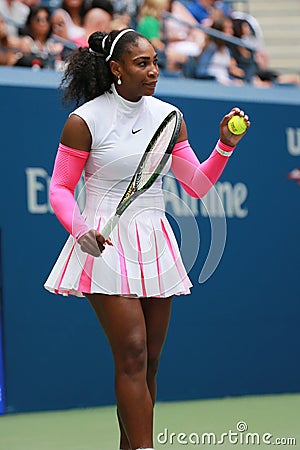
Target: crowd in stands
(201, 39)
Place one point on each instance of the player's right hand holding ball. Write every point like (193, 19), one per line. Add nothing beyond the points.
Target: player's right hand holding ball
(233, 127)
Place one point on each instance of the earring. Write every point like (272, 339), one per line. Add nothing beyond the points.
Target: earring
(119, 81)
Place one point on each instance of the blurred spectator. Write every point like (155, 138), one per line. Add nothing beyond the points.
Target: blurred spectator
(247, 28)
(15, 14)
(223, 6)
(62, 25)
(150, 25)
(215, 61)
(150, 21)
(9, 46)
(179, 11)
(60, 21)
(121, 21)
(255, 63)
(62, 32)
(31, 3)
(202, 10)
(244, 57)
(183, 38)
(37, 39)
(127, 11)
(106, 5)
(95, 19)
(76, 10)
(174, 42)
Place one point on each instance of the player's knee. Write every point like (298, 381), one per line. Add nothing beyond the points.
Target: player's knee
(134, 357)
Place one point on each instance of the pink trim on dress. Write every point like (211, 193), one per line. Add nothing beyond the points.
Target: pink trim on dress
(175, 259)
(157, 262)
(140, 262)
(124, 277)
(85, 281)
(57, 290)
(99, 223)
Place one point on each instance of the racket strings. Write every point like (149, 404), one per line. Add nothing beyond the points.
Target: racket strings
(156, 155)
(153, 161)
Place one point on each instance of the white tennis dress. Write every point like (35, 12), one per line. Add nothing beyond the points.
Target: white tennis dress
(144, 260)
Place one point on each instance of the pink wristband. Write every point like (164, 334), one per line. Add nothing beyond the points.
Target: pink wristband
(223, 149)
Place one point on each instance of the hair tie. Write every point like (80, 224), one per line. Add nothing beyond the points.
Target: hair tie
(103, 42)
(117, 38)
(95, 53)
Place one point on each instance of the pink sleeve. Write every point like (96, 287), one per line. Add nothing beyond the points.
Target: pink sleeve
(197, 178)
(68, 167)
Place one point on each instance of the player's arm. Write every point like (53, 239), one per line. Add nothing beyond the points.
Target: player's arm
(76, 134)
(183, 134)
(197, 178)
(72, 154)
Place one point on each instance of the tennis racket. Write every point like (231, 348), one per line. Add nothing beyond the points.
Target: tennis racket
(150, 166)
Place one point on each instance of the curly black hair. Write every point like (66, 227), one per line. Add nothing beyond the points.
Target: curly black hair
(87, 74)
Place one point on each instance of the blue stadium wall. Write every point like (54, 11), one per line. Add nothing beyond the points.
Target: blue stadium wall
(237, 334)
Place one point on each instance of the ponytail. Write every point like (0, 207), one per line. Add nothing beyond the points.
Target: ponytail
(87, 74)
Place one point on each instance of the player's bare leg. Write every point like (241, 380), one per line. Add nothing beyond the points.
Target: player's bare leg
(157, 313)
(123, 322)
(157, 316)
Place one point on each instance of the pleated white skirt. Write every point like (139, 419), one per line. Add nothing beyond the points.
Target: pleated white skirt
(144, 260)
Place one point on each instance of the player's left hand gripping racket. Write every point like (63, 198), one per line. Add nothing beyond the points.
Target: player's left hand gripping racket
(150, 166)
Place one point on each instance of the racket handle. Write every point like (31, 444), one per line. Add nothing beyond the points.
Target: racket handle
(109, 226)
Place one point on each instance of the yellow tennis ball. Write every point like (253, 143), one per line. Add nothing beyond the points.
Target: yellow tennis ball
(237, 125)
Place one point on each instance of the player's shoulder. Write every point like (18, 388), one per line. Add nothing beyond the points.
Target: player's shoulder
(156, 103)
(91, 105)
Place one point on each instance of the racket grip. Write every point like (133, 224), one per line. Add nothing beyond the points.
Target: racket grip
(109, 226)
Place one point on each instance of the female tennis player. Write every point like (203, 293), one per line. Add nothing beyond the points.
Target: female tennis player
(130, 281)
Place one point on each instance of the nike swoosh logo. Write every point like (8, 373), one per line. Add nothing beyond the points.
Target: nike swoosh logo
(135, 131)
